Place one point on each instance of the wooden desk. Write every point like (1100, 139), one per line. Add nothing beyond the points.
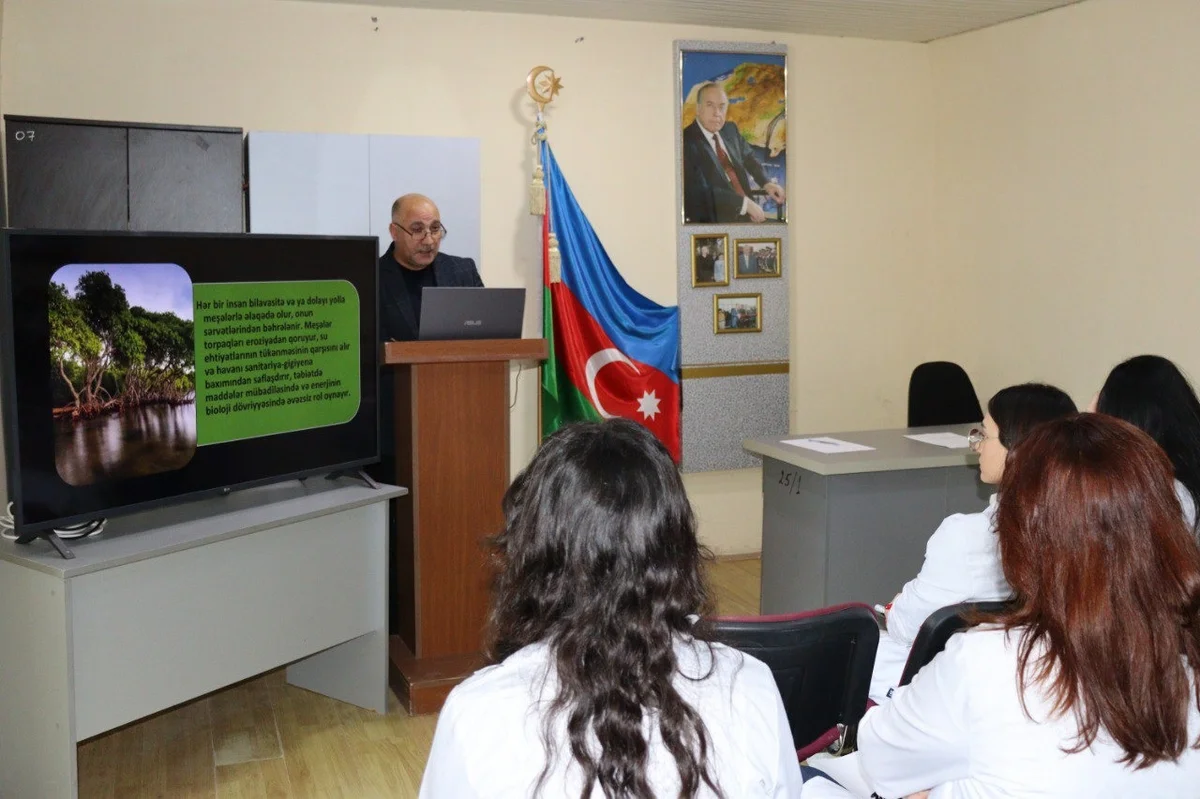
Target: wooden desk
(853, 526)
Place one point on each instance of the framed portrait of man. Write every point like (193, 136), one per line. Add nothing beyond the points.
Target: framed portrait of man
(733, 116)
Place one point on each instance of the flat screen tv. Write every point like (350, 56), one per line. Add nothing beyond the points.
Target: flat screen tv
(140, 369)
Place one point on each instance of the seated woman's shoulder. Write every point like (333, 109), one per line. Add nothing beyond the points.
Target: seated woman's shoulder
(512, 682)
(986, 644)
(973, 522)
(724, 665)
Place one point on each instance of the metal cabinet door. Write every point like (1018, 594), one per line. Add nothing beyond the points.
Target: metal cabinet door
(67, 176)
(185, 180)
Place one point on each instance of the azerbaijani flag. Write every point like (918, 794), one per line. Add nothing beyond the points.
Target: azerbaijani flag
(612, 351)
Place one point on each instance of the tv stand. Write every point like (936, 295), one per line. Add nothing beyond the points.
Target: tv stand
(179, 601)
(58, 545)
(359, 473)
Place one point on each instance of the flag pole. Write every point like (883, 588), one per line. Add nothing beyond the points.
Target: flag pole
(542, 85)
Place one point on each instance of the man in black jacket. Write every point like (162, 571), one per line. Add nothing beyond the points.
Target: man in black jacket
(718, 165)
(414, 261)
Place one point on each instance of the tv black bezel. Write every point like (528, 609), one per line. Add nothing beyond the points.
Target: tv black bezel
(29, 532)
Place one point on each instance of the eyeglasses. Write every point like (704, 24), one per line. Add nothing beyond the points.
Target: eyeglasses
(437, 230)
(976, 437)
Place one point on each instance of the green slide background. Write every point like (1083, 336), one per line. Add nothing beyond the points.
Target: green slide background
(282, 395)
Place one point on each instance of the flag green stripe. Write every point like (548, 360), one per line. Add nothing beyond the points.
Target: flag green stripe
(562, 402)
(573, 406)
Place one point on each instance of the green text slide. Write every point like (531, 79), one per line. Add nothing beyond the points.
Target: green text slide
(274, 357)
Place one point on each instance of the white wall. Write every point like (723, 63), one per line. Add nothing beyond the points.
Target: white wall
(861, 155)
(1068, 192)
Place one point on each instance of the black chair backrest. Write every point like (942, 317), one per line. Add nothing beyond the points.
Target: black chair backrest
(822, 662)
(940, 392)
(936, 631)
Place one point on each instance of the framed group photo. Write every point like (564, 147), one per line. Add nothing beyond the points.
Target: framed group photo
(757, 258)
(737, 313)
(710, 260)
(733, 114)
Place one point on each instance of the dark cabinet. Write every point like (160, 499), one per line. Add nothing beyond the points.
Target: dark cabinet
(68, 177)
(82, 175)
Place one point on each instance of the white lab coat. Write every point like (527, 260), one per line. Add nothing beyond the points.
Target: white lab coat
(488, 739)
(962, 564)
(1187, 503)
(959, 729)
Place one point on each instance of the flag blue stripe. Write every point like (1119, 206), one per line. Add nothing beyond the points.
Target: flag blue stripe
(640, 328)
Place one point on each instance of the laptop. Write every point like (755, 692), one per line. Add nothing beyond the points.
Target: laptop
(448, 314)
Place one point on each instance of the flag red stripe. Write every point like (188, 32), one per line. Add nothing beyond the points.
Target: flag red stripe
(619, 385)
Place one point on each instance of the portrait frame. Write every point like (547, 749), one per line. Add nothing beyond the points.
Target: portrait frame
(720, 314)
(699, 240)
(769, 244)
(752, 128)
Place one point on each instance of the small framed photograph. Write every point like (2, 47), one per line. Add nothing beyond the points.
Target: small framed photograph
(710, 260)
(756, 258)
(737, 313)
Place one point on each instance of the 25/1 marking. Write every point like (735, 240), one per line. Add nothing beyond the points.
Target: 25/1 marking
(790, 481)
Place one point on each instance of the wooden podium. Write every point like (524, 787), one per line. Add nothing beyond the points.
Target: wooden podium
(451, 405)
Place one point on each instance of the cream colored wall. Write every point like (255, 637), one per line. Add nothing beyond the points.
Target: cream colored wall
(1068, 212)
(860, 155)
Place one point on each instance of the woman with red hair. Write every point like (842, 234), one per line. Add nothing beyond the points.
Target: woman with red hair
(1087, 685)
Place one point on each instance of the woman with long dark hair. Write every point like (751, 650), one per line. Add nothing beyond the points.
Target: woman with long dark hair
(962, 563)
(1087, 685)
(1150, 392)
(604, 684)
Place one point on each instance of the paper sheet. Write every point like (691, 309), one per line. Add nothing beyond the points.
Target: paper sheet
(947, 440)
(827, 446)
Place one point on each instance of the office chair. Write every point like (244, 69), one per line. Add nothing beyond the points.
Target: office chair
(936, 631)
(822, 663)
(940, 393)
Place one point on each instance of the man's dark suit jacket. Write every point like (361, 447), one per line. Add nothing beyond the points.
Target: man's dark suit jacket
(708, 196)
(397, 319)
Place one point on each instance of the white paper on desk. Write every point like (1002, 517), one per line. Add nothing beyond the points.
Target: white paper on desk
(827, 446)
(947, 440)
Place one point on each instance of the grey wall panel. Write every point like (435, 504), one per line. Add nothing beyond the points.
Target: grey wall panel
(68, 177)
(717, 418)
(309, 183)
(446, 170)
(720, 412)
(700, 344)
(185, 180)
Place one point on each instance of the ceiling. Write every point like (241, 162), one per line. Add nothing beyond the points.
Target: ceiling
(899, 20)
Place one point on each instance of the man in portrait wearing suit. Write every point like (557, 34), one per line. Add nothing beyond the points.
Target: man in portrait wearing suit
(704, 265)
(718, 165)
(414, 261)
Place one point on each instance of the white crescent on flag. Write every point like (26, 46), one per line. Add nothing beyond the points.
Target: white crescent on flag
(597, 362)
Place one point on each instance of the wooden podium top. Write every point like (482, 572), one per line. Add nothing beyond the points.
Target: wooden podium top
(514, 349)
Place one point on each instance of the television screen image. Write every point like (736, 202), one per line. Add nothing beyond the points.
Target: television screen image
(123, 370)
(145, 368)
